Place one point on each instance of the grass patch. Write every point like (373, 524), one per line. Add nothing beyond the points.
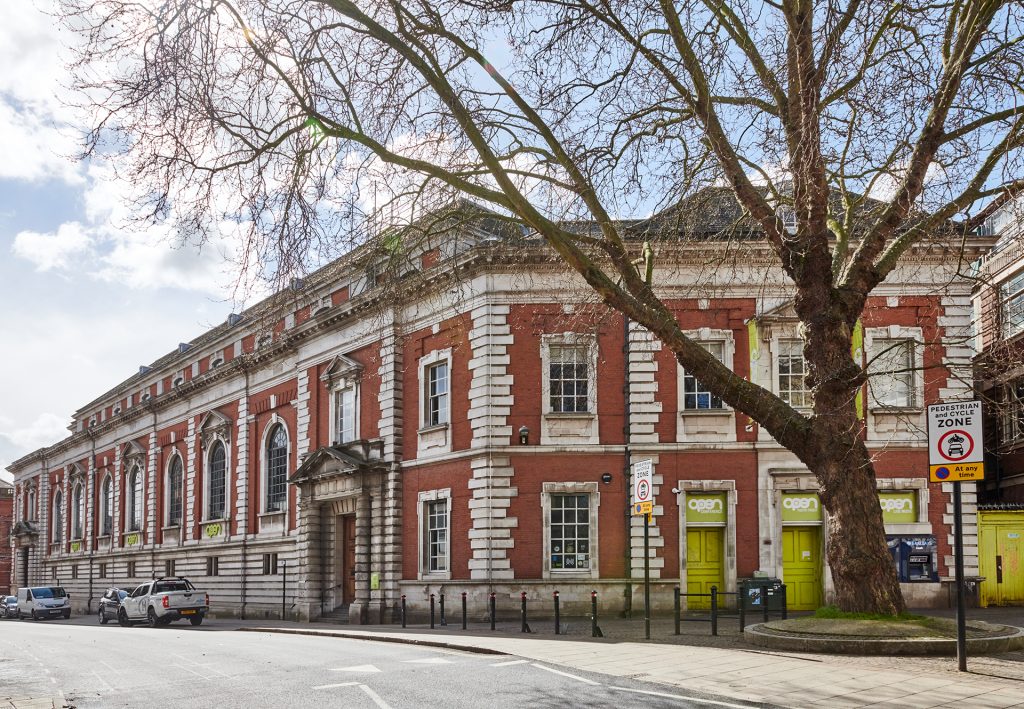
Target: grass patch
(833, 613)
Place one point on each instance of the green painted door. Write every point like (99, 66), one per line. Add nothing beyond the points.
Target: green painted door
(1002, 560)
(705, 564)
(801, 567)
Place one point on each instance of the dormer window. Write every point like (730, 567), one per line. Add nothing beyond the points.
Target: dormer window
(264, 341)
(146, 397)
(216, 362)
(178, 381)
(117, 410)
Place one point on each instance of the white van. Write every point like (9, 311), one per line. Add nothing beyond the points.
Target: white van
(43, 602)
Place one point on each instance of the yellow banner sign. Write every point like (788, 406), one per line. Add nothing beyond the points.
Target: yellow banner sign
(952, 472)
(643, 508)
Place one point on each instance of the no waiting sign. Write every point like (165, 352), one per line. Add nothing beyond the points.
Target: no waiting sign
(955, 445)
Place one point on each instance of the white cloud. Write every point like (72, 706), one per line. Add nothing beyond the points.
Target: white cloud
(53, 250)
(46, 429)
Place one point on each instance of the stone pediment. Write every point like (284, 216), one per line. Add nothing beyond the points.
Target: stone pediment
(215, 425)
(341, 368)
(346, 459)
(133, 454)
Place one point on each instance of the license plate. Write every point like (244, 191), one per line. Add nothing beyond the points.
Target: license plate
(188, 612)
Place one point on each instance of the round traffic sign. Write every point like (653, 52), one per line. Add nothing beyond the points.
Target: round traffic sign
(942, 473)
(643, 490)
(956, 445)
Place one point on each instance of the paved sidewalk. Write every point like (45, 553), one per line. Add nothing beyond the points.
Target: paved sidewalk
(726, 665)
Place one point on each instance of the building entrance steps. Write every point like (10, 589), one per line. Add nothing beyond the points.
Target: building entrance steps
(725, 665)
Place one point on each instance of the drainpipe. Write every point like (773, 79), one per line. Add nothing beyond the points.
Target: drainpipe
(628, 605)
(90, 488)
(248, 521)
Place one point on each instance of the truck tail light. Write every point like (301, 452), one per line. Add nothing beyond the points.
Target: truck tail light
(166, 602)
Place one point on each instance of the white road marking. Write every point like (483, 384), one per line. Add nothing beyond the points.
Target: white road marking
(431, 661)
(356, 668)
(565, 674)
(510, 662)
(197, 674)
(332, 686)
(105, 682)
(375, 697)
(679, 696)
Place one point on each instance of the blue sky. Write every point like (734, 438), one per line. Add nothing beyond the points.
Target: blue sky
(86, 299)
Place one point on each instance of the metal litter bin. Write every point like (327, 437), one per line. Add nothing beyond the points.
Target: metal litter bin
(758, 592)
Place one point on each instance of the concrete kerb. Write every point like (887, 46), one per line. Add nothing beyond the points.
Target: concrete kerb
(376, 638)
(756, 635)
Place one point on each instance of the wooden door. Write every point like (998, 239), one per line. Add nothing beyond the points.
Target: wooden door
(1002, 565)
(802, 567)
(705, 565)
(348, 555)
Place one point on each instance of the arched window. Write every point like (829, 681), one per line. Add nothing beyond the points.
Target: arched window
(277, 468)
(58, 518)
(77, 511)
(31, 513)
(135, 500)
(217, 481)
(106, 506)
(175, 476)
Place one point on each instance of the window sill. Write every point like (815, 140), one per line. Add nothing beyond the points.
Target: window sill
(432, 429)
(706, 412)
(273, 514)
(435, 576)
(171, 528)
(896, 410)
(570, 415)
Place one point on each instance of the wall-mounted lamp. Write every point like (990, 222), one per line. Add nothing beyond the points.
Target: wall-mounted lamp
(524, 435)
(606, 478)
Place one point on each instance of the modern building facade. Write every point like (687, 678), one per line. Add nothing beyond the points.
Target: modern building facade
(468, 423)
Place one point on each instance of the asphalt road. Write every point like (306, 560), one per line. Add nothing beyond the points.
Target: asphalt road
(89, 665)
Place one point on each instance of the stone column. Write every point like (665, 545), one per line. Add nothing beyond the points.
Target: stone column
(358, 611)
(310, 572)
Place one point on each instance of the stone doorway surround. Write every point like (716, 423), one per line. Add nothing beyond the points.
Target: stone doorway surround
(334, 481)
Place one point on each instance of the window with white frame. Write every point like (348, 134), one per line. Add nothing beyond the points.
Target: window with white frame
(106, 506)
(891, 372)
(345, 414)
(435, 394)
(569, 378)
(31, 505)
(569, 532)
(696, 396)
(435, 536)
(1011, 305)
(216, 481)
(792, 372)
(77, 511)
(135, 500)
(58, 517)
(277, 469)
(175, 480)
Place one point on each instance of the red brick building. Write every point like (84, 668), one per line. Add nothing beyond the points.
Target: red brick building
(366, 434)
(6, 522)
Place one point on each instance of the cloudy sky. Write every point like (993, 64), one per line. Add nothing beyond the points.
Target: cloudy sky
(86, 300)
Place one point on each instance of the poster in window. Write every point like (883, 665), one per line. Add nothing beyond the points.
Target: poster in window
(570, 562)
(582, 561)
(556, 561)
(570, 547)
(583, 547)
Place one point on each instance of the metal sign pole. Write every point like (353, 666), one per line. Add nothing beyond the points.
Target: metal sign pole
(647, 577)
(958, 551)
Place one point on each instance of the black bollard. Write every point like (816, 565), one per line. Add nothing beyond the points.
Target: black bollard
(557, 614)
(785, 605)
(444, 621)
(743, 606)
(403, 610)
(431, 611)
(676, 608)
(595, 631)
(463, 610)
(764, 604)
(714, 610)
(490, 602)
(522, 601)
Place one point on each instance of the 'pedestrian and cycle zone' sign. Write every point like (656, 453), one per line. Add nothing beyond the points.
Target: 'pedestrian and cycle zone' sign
(643, 487)
(956, 448)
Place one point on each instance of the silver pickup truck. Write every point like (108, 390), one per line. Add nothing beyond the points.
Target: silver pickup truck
(163, 601)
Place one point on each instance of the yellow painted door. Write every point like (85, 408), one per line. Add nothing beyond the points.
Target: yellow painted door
(1002, 565)
(801, 567)
(705, 564)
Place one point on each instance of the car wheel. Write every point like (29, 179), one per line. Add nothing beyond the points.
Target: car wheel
(122, 619)
(103, 617)
(67, 615)
(196, 620)
(35, 616)
(154, 622)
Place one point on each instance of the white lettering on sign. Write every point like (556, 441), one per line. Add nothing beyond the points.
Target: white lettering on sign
(643, 481)
(800, 503)
(890, 505)
(704, 506)
(954, 435)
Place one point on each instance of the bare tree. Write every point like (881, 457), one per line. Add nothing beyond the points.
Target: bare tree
(870, 126)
